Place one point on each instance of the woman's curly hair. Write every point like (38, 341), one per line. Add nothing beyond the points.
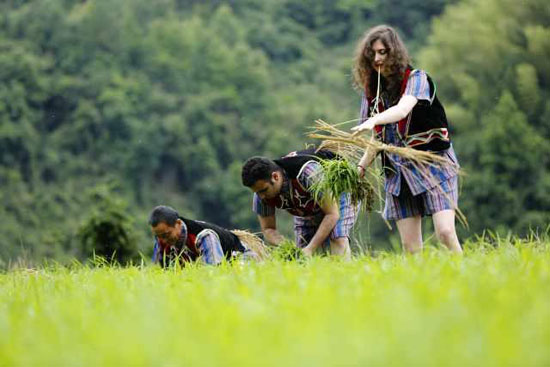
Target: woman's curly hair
(398, 60)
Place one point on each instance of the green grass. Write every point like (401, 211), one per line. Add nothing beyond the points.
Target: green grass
(488, 308)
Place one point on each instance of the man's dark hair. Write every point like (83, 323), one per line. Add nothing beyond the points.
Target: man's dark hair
(258, 168)
(163, 214)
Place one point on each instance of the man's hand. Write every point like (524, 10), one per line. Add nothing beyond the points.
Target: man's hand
(307, 251)
(331, 210)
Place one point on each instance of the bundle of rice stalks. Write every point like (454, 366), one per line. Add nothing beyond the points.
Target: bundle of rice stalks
(287, 251)
(341, 176)
(352, 146)
(253, 242)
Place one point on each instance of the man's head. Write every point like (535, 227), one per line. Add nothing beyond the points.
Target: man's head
(165, 224)
(263, 177)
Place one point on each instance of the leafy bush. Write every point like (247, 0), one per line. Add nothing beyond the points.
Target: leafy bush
(106, 232)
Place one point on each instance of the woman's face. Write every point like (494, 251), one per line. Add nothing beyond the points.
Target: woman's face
(380, 56)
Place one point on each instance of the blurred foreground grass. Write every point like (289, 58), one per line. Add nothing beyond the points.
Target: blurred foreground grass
(490, 307)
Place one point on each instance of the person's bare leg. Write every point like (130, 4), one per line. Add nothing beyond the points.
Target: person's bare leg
(340, 246)
(444, 224)
(410, 230)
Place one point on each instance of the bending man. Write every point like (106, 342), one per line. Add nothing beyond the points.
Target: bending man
(286, 184)
(186, 240)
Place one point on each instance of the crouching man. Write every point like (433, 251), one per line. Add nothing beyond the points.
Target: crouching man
(286, 184)
(185, 240)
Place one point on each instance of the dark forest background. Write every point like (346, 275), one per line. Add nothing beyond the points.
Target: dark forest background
(110, 107)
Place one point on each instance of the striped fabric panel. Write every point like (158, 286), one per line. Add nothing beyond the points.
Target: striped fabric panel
(418, 86)
(415, 177)
(261, 208)
(445, 197)
(209, 245)
(427, 203)
(348, 216)
(364, 111)
(155, 257)
(311, 172)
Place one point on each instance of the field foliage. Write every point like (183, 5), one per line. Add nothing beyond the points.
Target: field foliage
(489, 307)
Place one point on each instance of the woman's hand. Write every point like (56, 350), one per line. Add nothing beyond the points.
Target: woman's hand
(367, 125)
(391, 115)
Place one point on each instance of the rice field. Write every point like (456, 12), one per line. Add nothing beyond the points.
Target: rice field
(490, 307)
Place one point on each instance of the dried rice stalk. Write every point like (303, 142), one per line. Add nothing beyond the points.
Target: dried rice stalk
(352, 146)
(253, 242)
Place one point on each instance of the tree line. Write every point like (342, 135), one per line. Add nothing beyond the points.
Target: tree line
(108, 108)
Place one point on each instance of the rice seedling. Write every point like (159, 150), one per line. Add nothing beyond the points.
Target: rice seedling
(340, 176)
(287, 251)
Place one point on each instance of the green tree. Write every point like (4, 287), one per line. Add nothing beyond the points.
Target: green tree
(496, 88)
(167, 98)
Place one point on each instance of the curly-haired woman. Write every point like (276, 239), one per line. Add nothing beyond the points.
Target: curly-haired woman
(400, 104)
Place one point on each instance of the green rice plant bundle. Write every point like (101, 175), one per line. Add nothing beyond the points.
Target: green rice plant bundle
(287, 251)
(352, 146)
(341, 176)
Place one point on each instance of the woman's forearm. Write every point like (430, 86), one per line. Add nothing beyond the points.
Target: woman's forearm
(397, 112)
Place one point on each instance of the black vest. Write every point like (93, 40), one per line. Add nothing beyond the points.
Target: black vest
(293, 162)
(186, 251)
(229, 241)
(427, 117)
(426, 127)
(301, 203)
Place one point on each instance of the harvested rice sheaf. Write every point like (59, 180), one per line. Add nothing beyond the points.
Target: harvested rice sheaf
(253, 242)
(341, 176)
(351, 146)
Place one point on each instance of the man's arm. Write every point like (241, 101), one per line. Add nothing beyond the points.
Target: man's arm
(332, 214)
(155, 257)
(269, 229)
(209, 246)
